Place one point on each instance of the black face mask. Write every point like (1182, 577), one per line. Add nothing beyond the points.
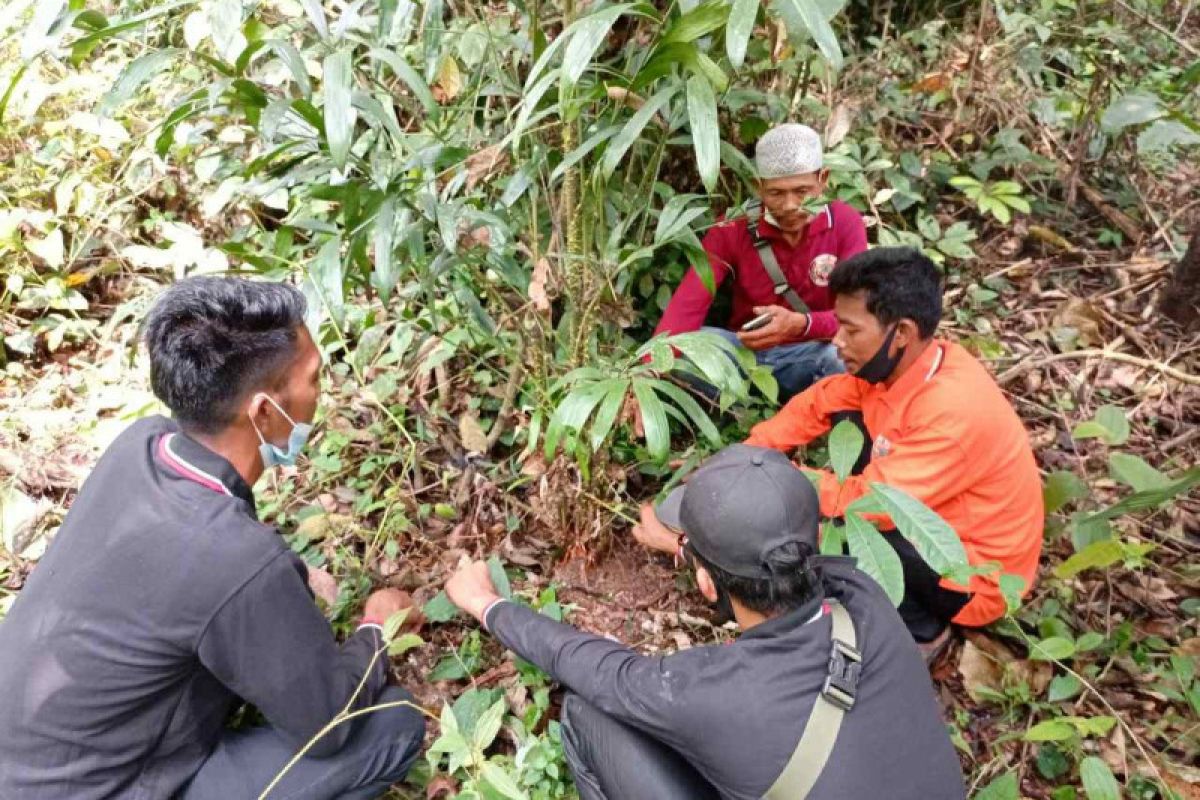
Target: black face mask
(881, 366)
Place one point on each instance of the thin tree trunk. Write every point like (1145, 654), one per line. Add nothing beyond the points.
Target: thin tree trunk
(1180, 299)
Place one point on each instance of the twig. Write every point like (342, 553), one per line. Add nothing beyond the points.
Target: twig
(1158, 27)
(510, 396)
(1163, 234)
(1169, 371)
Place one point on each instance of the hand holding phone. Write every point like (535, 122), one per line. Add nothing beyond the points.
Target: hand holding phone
(758, 322)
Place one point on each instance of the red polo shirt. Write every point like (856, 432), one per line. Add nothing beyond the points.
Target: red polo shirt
(835, 233)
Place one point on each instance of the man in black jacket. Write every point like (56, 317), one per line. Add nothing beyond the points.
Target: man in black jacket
(163, 602)
(725, 721)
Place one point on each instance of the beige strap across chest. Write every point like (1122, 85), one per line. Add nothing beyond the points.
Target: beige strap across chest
(821, 731)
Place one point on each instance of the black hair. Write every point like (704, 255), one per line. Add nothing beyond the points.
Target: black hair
(213, 339)
(793, 581)
(899, 283)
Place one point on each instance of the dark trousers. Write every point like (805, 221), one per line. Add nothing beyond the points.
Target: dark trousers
(378, 753)
(612, 761)
(927, 607)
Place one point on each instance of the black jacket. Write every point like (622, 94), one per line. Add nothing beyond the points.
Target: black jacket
(160, 602)
(736, 711)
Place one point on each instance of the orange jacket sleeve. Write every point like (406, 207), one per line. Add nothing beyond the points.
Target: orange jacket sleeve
(806, 416)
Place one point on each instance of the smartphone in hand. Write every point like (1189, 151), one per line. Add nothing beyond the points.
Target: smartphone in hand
(758, 322)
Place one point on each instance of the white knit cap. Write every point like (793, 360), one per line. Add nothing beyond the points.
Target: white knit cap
(786, 150)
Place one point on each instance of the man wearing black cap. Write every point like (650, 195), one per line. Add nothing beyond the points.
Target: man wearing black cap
(823, 696)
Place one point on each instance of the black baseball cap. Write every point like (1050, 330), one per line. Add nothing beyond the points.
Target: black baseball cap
(740, 505)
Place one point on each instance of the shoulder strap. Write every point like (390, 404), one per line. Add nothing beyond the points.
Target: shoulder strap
(821, 731)
(771, 265)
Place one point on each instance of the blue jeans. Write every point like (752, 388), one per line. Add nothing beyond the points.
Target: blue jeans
(795, 366)
(378, 753)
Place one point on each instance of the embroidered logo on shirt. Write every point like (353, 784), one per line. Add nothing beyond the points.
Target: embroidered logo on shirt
(881, 447)
(821, 268)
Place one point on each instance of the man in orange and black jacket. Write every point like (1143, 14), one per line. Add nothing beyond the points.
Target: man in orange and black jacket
(937, 426)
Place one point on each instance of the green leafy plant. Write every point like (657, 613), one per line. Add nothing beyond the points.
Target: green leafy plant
(932, 536)
(997, 198)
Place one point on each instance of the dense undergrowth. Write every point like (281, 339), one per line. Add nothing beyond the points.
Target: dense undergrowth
(488, 205)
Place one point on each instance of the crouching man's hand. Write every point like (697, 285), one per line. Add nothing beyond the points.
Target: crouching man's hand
(471, 589)
(653, 534)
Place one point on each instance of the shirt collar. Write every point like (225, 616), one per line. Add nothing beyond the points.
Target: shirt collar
(188, 459)
(789, 621)
(921, 371)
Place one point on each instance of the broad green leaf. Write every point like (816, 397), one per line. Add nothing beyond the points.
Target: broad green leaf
(633, 129)
(587, 36)
(1165, 134)
(291, 58)
(1151, 498)
(1135, 473)
(701, 20)
(1061, 488)
(833, 539)
(1003, 788)
(738, 30)
(845, 446)
(579, 153)
(402, 644)
(1063, 687)
(140, 70)
(411, 78)
(933, 537)
(700, 420)
(499, 779)
(575, 409)
(1097, 779)
(440, 608)
(706, 133)
(1096, 555)
(1131, 109)
(326, 277)
(763, 379)
(1012, 588)
(1110, 425)
(385, 274)
(807, 16)
(1056, 648)
(875, 556)
(711, 356)
(654, 419)
(339, 112)
(1051, 730)
(488, 725)
(867, 504)
(606, 415)
(316, 15)
(1086, 530)
(392, 626)
(499, 577)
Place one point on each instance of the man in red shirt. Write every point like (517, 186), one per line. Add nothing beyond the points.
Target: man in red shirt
(804, 238)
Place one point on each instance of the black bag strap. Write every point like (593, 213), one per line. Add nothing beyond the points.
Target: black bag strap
(771, 264)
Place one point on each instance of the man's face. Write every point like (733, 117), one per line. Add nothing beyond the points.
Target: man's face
(302, 383)
(860, 333)
(785, 198)
(297, 391)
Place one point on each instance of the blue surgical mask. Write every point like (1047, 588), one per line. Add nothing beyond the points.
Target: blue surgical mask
(275, 456)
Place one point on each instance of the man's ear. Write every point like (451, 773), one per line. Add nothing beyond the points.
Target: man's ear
(258, 409)
(822, 180)
(704, 582)
(907, 333)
